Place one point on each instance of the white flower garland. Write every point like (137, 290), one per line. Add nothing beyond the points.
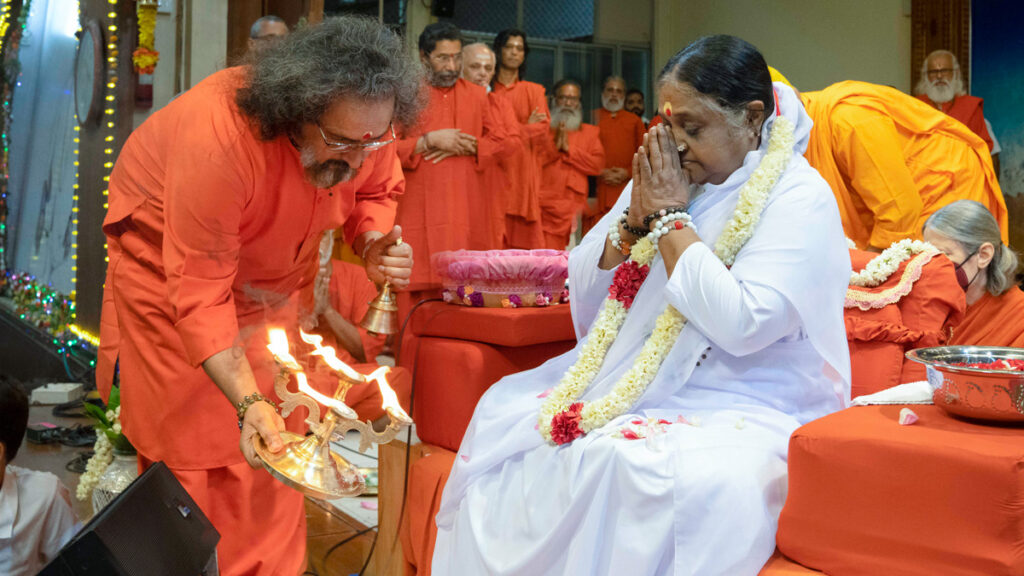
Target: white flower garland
(752, 199)
(103, 455)
(881, 267)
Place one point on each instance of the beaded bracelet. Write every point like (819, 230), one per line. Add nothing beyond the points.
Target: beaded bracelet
(615, 236)
(247, 402)
(638, 232)
(671, 222)
(660, 213)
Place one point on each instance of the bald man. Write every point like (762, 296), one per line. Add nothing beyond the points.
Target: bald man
(265, 32)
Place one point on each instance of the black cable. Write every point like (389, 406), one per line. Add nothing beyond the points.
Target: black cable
(323, 562)
(408, 431)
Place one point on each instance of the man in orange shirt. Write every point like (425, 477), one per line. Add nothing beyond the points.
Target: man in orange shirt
(635, 104)
(622, 132)
(523, 168)
(478, 64)
(217, 205)
(572, 153)
(892, 161)
(442, 157)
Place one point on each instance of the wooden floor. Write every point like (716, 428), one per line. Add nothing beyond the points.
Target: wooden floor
(334, 543)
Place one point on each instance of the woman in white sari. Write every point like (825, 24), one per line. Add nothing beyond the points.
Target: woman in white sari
(665, 453)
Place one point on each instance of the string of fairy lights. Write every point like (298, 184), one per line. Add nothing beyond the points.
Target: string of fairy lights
(35, 302)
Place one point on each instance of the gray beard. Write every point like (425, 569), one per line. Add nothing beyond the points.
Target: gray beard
(572, 118)
(940, 94)
(610, 106)
(443, 79)
(324, 174)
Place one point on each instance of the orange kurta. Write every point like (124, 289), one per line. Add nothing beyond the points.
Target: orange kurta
(213, 235)
(523, 167)
(622, 133)
(892, 161)
(489, 233)
(968, 109)
(563, 193)
(993, 321)
(435, 211)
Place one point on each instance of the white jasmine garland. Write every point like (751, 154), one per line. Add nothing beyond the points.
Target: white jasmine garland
(627, 391)
(881, 267)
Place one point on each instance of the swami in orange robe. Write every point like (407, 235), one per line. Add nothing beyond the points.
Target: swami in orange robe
(563, 193)
(968, 109)
(622, 133)
(523, 167)
(348, 300)
(434, 212)
(993, 321)
(213, 236)
(892, 161)
(489, 233)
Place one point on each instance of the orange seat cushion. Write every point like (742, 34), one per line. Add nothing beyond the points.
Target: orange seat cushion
(427, 477)
(499, 326)
(868, 496)
(779, 565)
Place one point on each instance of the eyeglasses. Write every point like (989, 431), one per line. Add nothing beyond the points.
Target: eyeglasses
(446, 58)
(940, 72)
(347, 146)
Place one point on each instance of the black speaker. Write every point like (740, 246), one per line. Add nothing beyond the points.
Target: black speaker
(442, 8)
(153, 528)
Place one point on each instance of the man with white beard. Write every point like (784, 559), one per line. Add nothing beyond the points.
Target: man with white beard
(622, 132)
(942, 86)
(572, 153)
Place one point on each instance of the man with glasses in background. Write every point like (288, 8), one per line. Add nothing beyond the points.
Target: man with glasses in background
(942, 86)
(265, 32)
(217, 206)
(572, 153)
(443, 157)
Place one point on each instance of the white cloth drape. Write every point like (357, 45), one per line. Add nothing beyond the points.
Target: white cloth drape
(764, 351)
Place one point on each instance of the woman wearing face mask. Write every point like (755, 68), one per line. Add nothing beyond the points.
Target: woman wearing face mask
(966, 232)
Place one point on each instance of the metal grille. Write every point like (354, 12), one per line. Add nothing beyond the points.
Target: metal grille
(562, 20)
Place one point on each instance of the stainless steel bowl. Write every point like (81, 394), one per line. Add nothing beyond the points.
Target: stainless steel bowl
(996, 395)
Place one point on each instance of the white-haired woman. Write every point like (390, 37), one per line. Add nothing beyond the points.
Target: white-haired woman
(966, 232)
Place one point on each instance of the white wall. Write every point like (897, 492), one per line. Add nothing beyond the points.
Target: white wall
(622, 21)
(813, 42)
(206, 49)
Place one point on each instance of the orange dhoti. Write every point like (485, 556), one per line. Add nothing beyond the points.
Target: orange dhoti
(564, 190)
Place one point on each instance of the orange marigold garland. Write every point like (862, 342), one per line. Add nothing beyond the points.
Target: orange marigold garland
(145, 57)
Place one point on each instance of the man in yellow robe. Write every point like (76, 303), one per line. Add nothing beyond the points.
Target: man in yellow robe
(893, 160)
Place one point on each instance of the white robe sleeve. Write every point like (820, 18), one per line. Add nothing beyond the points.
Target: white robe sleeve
(739, 317)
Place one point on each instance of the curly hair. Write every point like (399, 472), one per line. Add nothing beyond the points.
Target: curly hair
(295, 81)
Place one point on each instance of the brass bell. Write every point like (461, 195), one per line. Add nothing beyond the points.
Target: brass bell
(382, 316)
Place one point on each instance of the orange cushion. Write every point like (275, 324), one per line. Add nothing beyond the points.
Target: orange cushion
(779, 565)
(500, 326)
(427, 477)
(452, 375)
(868, 496)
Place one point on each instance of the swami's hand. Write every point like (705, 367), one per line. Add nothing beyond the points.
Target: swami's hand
(659, 180)
(260, 419)
(389, 261)
(537, 116)
(614, 176)
(450, 140)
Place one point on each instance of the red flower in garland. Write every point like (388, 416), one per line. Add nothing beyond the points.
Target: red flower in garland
(627, 281)
(565, 426)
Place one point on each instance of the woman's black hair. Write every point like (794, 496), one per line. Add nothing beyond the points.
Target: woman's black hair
(728, 69)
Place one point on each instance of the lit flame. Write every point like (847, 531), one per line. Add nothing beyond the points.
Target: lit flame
(337, 405)
(327, 353)
(389, 400)
(278, 346)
